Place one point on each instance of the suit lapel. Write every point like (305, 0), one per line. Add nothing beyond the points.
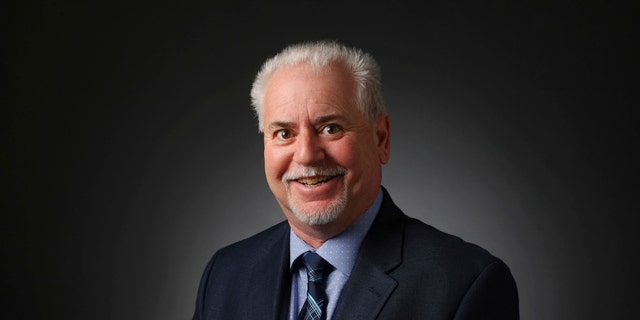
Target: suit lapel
(369, 285)
(271, 280)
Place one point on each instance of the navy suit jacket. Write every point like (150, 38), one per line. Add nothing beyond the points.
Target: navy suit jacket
(405, 269)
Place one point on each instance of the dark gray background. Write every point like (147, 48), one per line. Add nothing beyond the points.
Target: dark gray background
(130, 153)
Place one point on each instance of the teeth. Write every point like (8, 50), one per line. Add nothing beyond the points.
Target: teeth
(313, 180)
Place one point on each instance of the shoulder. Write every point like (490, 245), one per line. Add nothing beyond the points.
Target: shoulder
(451, 275)
(480, 283)
(233, 265)
(424, 242)
(235, 270)
(257, 244)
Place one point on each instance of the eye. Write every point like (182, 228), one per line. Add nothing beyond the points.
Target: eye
(331, 129)
(283, 134)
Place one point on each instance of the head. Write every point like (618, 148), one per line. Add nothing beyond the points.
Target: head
(326, 133)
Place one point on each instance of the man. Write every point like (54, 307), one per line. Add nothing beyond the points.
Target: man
(346, 251)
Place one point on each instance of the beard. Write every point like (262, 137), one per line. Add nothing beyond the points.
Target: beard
(320, 215)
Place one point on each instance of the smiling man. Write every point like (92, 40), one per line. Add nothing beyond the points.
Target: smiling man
(345, 251)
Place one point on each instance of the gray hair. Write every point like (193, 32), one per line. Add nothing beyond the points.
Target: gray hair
(321, 55)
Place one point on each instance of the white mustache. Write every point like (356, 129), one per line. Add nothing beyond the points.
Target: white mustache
(307, 172)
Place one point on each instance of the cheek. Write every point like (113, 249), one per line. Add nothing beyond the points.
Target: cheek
(357, 156)
(275, 163)
(347, 154)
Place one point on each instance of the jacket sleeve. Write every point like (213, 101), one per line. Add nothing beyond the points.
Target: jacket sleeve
(493, 295)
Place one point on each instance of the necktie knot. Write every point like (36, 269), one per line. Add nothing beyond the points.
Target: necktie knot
(315, 265)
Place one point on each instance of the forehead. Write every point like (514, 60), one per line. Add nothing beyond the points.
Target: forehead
(298, 87)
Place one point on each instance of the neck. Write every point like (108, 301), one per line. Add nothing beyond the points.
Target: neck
(315, 236)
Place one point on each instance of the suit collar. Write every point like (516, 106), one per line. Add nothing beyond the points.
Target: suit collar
(369, 285)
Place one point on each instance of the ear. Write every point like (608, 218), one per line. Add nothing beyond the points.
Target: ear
(383, 131)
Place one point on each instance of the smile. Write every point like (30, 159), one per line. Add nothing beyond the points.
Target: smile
(310, 176)
(313, 181)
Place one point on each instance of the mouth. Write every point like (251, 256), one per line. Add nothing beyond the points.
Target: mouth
(314, 181)
(313, 177)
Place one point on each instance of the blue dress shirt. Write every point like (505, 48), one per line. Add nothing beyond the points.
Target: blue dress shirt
(340, 251)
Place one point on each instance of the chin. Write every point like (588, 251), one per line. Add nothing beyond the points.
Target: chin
(319, 216)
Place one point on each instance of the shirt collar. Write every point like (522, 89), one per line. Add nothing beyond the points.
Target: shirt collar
(341, 250)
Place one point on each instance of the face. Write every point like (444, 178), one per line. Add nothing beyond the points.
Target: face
(323, 156)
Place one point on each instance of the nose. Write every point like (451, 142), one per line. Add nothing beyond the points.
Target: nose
(308, 148)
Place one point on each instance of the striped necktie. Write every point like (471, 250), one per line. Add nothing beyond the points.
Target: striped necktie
(315, 307)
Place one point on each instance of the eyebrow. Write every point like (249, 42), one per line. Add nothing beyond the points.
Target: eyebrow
(280, 124)
(319, 120)
(328, 118)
